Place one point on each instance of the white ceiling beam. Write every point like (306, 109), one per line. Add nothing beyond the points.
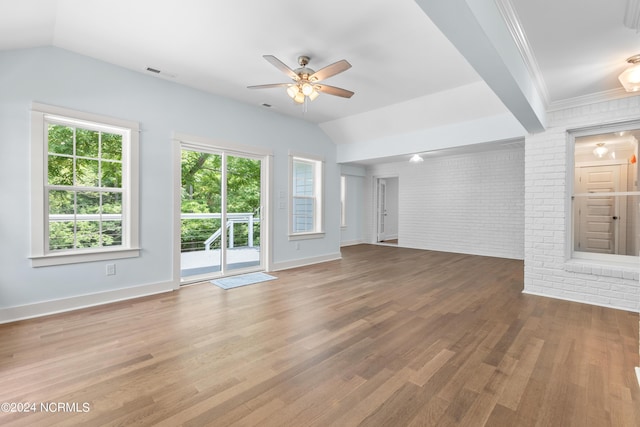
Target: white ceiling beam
(479, 31)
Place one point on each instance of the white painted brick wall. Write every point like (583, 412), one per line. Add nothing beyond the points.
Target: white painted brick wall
(548, 272)
(471, 203)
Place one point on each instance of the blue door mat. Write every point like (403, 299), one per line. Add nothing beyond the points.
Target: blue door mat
(242, 280)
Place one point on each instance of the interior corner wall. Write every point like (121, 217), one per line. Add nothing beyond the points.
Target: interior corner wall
(469, 203)
(548, 271)
(61, 78)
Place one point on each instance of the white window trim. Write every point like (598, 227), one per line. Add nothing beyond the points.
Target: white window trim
(40, 255)
(319, 205)
(571, 254)
(343, 201)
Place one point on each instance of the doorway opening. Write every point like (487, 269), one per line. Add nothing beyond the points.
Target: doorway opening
(221, 213)
(387, 210)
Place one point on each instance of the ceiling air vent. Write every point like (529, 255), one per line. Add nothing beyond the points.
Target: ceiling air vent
(153, 70)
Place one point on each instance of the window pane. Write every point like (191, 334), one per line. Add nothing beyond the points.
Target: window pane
(87, 172)
(111, 146)
(61, 202)
(88, 203)
(60, 139)
(302, 215)
(87, 143)
(111, 203)
(111, 174)
(605, 208)
(302, 179)
(60, 170)
(112, 233)
(61, 235)
(88, 234)
(607, 224)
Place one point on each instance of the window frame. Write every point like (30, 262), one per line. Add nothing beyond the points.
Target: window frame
(41, 255)
(343, 201)
(572, 254)
(317, 197)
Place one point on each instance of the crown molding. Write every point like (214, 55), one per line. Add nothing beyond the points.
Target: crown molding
(514, 26)
(592, 98)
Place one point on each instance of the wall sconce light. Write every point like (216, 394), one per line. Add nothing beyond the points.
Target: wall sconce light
(416, 158)
(630, 78)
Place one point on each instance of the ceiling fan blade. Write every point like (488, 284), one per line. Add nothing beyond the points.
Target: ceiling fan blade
(269, 86)
(281, 66)
(336, 91)
(330, 70)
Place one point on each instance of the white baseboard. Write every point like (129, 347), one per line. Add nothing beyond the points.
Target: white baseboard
(615, 307)
(351, 243)
(305, 261)
(38, 309)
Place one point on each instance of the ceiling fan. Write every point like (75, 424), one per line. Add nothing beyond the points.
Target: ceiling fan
(306, 81)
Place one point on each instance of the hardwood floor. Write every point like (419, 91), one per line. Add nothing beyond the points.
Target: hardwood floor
(384, 337)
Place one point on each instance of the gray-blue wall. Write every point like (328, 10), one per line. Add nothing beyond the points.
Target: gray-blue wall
(61, 78)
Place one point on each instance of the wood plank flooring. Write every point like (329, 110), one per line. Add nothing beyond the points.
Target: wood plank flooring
(384, 337)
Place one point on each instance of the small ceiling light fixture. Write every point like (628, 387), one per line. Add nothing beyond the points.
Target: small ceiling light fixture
(600, 150)
(630, 78)
(416, 158)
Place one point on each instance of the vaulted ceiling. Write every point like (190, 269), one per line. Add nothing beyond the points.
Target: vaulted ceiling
(416, 63)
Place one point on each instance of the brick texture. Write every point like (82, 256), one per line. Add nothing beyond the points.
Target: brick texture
(471, 203)
(549, 271)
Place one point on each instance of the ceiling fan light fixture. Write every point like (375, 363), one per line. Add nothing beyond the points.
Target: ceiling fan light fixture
(307, 89)
(292, 90)
(299, 98)
(304, 85)
(314, 94)
(630, 78)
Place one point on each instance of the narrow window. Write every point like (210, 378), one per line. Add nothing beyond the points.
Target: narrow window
(306, 196)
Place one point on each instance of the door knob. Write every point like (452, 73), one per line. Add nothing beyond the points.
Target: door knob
(615, 217)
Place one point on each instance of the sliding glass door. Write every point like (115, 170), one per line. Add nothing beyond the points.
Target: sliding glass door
(221, 200)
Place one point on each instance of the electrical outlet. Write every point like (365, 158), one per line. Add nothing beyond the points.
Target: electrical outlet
(111, 269)
(297, 246)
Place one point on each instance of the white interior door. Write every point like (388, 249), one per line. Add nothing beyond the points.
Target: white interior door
(382, 209)
(598, 217)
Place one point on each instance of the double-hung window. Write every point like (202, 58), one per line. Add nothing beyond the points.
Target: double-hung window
(84, 187)
(305, 205)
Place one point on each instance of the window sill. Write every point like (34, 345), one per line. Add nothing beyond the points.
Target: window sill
(305, 236)
(605, 268)
(79, 257)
